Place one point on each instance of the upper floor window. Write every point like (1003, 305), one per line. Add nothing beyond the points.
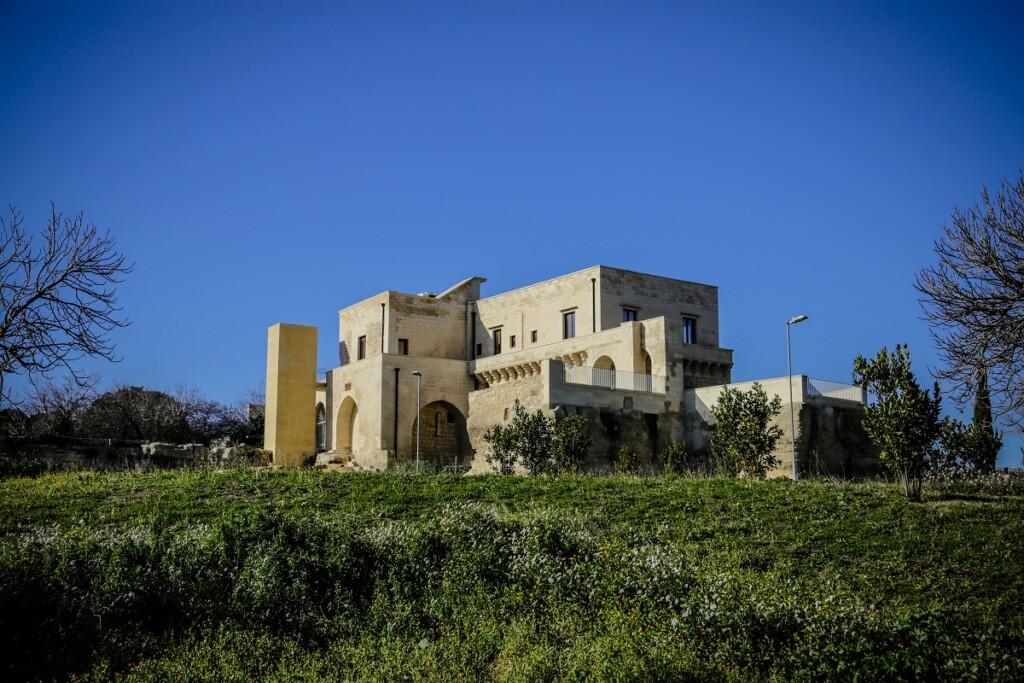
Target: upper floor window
(403, 347)
(628, 315)
(569, 325)
(533, 337)
(361, 348)
(689, 330)
(479, 349)
(512, 341)
(497, 341)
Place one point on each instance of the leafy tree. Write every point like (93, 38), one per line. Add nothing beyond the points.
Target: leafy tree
(534, 434)
(742, 435)
(903, 421)
(974, 299)
(966, 446)
(676, 459)
(570, 444)
(57, 302)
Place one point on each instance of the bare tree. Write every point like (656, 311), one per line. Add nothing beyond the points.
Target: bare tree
(57, 407)
(974, 300)
(58, 299)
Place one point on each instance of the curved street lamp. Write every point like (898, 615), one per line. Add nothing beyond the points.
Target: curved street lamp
(792, 418)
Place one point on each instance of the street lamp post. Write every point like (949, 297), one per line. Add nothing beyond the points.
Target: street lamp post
(419, 378)
(792, 417)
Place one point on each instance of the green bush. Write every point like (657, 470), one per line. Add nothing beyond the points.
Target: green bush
(627, 461)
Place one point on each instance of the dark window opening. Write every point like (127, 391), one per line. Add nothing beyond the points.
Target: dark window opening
(361, 348)
(451, 417)
(497, 341)
(512, 341)
(533, 337)
(321, 428)
(403, 347)
(689, 330)
(628, 315)
(569, 325)
(479, 349)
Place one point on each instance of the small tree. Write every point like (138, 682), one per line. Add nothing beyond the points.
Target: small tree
(743, 436)
(501, 453)
(903, 422)
(627, 461)
(570, 445)
(966, 446)
(676, 459)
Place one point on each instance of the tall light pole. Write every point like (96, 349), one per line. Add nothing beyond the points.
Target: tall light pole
(419, 379)
(792, 418)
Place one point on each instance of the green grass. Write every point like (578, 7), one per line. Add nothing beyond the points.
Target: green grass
(299, 575)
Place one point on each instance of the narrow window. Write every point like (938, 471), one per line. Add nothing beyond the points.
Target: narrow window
(437, 424)
(512, 341)
(451, 417)
(321, 428)
(689, 330)
(361, 348)
(497, 341)
(569, 325)
(628, 315)
(479, 349)
(403, 347)
(533, 337)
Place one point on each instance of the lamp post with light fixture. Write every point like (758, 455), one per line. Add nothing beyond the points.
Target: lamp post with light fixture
(419, 377)
(792, 417)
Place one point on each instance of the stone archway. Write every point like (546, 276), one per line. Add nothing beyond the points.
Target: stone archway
(604, 372)
(345, 426)
(444, 439)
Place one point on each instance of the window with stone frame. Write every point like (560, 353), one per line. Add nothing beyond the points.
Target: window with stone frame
(569, 325)
(689, 330)
(361, 348)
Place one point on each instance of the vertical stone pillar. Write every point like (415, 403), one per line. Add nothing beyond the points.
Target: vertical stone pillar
(290, 429)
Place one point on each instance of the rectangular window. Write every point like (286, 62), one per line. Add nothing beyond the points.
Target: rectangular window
(403, 347)
(512, 341)
(689, 330)
(569, 325)
(361, 348)
(497, 341)
(628, 315)
(533, 337)
(479, 350)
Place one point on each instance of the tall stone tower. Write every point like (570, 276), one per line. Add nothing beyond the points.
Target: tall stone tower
(290, 429)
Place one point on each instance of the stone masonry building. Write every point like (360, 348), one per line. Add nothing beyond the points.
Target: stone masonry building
(637, 354)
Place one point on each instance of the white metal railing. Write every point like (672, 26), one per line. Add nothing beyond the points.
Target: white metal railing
(615, 379)
(838, 390)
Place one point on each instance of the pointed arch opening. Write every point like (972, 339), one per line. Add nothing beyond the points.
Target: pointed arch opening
(345, 427)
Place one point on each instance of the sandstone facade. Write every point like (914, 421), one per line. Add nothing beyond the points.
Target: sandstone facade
(626, 349)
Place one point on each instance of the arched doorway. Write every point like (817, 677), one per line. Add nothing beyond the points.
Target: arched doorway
(444, 439)
(345, 426)
(321, 428)
(604, 372)
(647, 363)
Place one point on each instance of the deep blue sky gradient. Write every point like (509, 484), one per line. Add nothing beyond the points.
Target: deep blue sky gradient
(264, 162)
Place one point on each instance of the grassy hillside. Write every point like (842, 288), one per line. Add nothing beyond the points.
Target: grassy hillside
(297, 575)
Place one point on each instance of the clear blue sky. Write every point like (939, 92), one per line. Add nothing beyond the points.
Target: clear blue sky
(264, 162)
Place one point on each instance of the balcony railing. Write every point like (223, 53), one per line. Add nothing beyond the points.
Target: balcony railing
(615, 379)
(836, 390)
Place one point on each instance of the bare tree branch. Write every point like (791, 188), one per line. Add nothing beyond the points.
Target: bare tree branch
(58, 301)
(974, 300)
